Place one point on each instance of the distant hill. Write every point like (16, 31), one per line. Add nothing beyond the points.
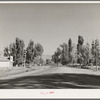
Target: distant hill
(44, 57)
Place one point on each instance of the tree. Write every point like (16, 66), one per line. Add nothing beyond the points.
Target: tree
(48, 62)
(55, 58)
(19, 51)
(22, 55)
(80, 40)
(79, 49)
(70, 45)
(34, 53)
(88, 53)
(74, 53)
(64, 54)
(6, 52)
(30, 52)
(85, 54)
(38, 50)
(41, 61)
(70, 50)
(12, 49)
(95, 52)
(38, 61)
(15, 49)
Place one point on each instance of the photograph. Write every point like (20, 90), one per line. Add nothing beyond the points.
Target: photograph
(49, 46)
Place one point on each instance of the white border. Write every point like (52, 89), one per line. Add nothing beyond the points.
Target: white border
(45, 93)
(48, 2)
(58, 93)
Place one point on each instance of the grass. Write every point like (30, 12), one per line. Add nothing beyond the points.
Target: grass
(14, 71)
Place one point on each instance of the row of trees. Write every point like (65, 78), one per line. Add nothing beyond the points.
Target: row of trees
(31, 54)
(66, 53)
(63, 54)
(85, 54)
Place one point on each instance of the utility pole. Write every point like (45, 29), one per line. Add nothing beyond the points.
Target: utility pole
(96, 59)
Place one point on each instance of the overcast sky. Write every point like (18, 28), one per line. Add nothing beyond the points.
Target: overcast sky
(48, 24)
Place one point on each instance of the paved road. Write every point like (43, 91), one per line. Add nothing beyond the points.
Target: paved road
(54, 78)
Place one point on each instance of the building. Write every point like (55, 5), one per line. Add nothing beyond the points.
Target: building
(6, 63)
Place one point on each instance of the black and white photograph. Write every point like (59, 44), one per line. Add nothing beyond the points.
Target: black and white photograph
(50, 46)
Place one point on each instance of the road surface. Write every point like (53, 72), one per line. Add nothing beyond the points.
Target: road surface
(53, 78)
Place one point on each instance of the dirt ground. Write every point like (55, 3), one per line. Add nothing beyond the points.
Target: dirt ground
(53, 77)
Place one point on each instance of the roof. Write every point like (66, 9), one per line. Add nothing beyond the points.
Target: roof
(4, 59)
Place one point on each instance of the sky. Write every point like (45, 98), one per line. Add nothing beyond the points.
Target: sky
(48, 24)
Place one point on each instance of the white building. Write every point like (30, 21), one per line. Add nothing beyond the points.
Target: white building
(6, 63)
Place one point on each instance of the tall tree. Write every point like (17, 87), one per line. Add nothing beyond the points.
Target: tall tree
(80, 40)
(93, 52)
(19, 50)
(34, 53)
(70, 50)
(64, 54)
(97, 52)
(56, 58)
(70, 45)
(74, 53)
(38, 50)
(16, 49)
(88, 53)
(79, 49)
(30, 52)
(85, 54)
